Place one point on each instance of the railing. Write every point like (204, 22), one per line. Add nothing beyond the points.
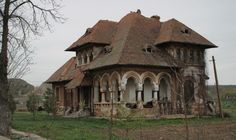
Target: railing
(165, 107)
(105, 105)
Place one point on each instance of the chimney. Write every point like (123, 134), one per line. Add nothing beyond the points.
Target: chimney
(139, 11)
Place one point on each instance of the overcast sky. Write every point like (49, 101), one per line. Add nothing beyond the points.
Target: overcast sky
(213, 19)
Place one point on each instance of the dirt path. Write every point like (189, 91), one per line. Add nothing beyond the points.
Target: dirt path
(31, 136)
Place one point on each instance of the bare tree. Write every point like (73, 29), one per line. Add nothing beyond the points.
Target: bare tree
(20, 19)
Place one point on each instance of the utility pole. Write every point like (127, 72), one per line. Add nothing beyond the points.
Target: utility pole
(217, 87)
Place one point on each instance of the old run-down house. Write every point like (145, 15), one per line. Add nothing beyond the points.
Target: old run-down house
(140, 62)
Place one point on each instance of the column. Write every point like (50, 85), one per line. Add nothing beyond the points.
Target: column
(121, 95)
(82, 59)
(140, 89)
(155, 92)
(88, 60)
(139, 95)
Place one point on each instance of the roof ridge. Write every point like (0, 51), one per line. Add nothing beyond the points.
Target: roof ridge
(127, 35)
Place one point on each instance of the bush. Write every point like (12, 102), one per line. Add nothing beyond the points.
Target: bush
(49, 102)
(32, 103)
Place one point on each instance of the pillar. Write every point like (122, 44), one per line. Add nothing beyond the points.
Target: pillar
(155, 92)
(88, 60)
(111, 95)
(139, 95)
(140, 89)
(155, 95)
(121, 95)
(82, 59)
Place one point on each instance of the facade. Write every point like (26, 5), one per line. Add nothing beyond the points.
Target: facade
(139, 63)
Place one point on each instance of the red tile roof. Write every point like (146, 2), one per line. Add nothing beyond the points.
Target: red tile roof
(100, 33)
(64, 73)
(128, 38)
(175, 31)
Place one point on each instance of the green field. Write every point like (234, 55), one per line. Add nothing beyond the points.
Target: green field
(98, 129)
(93, 128)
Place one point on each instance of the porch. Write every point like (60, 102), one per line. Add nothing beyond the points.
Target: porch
(150, 109)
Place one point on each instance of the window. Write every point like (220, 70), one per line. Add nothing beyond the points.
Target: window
(191, 56)
(107, 49)
(178, 53)
(185, 30)
(185, 56)
(200, 56)
(148, 49)
(85, 59)
(91, 57)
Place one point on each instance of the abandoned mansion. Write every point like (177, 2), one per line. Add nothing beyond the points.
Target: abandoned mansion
(138, 63)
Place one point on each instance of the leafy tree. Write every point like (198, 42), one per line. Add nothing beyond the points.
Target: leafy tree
(32, 103)
(20, 19)
(50, 102)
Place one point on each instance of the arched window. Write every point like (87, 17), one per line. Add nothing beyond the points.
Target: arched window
(91, 56)
(85, 58)
(185, 53)
(191, 56)
(178, 53)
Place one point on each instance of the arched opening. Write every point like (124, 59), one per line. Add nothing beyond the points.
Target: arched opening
(188, 93)
(164, 92)
(147, 90)
(115, 89)
(107, 94)
(85, 59)
(130, 92)
(96, 92)
(90, 57)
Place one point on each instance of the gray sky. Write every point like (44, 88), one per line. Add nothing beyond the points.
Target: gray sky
(213, 19)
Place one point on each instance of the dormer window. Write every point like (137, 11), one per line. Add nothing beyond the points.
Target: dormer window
(148, 49)
(185, 30)
(107, 49)
(88, 31)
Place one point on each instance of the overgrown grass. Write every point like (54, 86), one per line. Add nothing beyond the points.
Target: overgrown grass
(89, 128)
